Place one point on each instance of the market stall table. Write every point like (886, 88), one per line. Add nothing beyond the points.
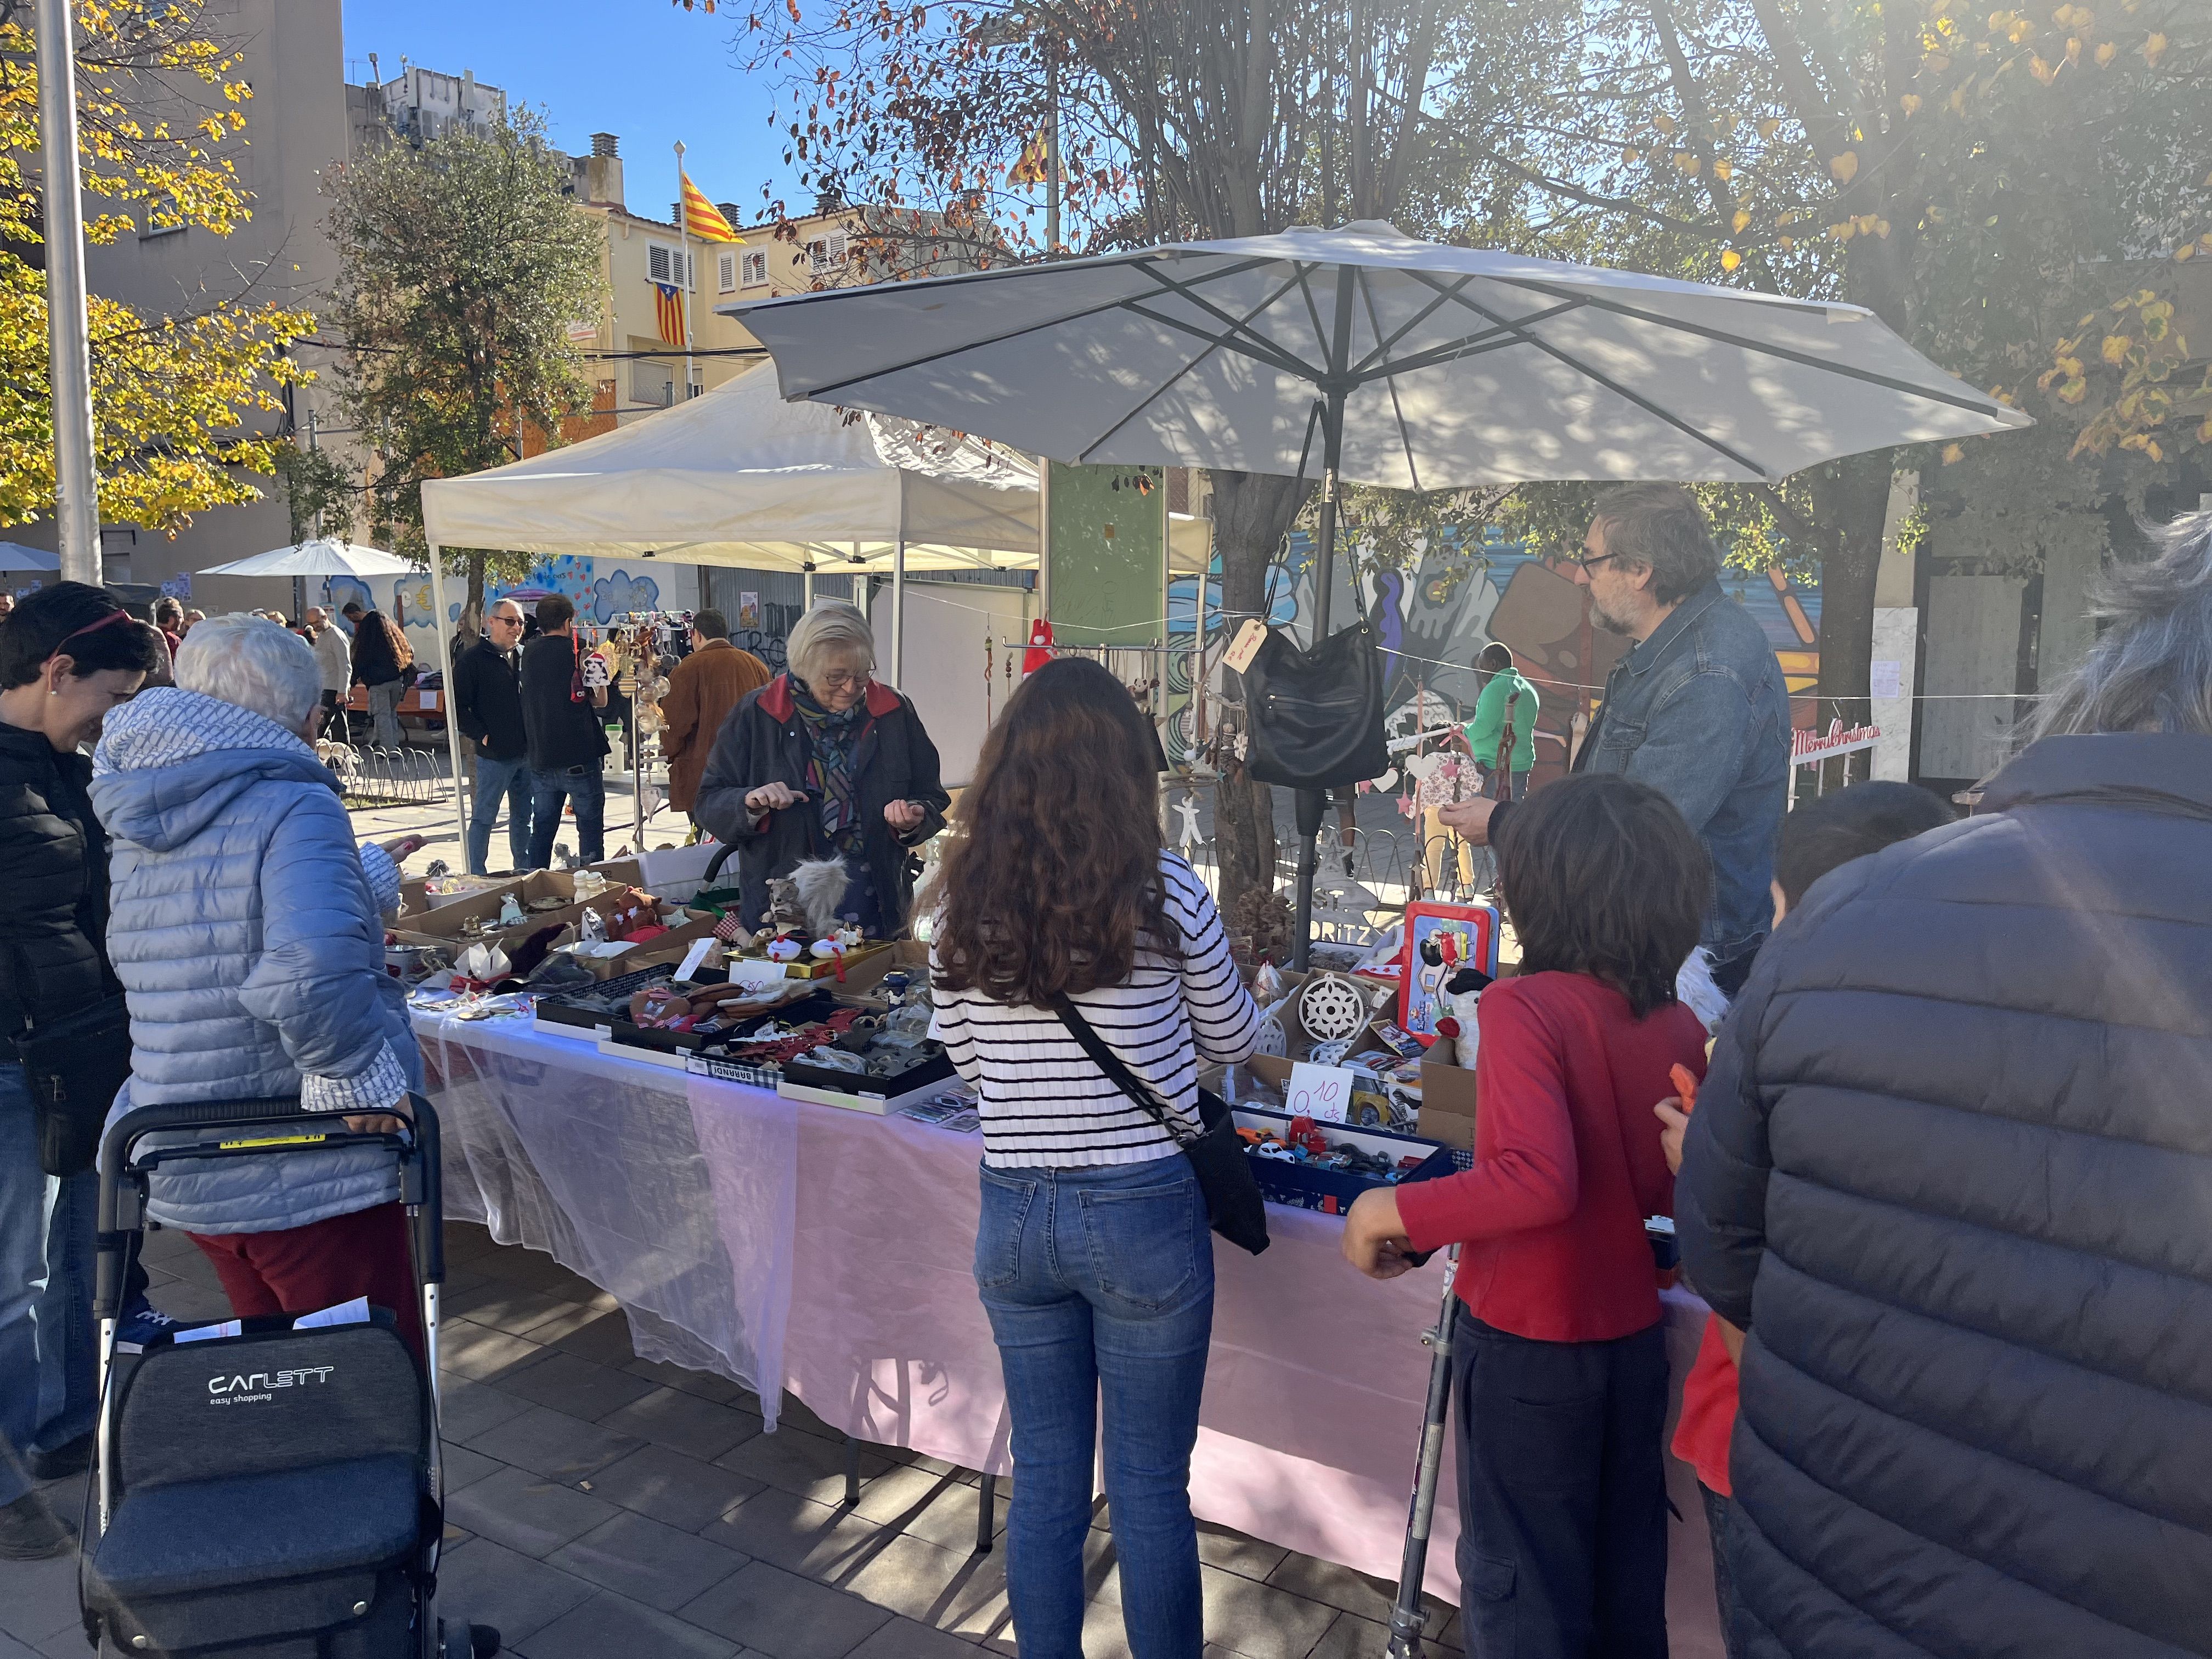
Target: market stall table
(790, 1246)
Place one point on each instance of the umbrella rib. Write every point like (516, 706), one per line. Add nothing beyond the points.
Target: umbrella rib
(1288, 364)
(1161, 390)
(1313, 306)
(1488, 339)
(1607, 381)
(1976, 404)
(1383, 347)
(1120, 303)
(818, 393)
(1259, 342)
(1397, 410)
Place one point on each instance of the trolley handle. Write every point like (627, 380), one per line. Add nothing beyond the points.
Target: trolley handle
(421, 1187)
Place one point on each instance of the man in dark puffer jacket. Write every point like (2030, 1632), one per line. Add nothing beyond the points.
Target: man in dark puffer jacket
(1953, 1170)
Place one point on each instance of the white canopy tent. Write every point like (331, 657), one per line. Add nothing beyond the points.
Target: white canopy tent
(738, 476)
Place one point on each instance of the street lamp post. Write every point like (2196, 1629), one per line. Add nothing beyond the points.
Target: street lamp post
(76, 477)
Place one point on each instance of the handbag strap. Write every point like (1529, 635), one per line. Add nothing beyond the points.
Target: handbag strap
(1117, 1073)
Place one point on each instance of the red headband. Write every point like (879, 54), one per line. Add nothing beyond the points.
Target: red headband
(117, 615)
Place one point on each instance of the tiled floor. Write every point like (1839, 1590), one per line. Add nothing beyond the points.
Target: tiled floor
(601, 1506)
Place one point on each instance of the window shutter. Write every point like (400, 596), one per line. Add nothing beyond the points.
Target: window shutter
(728, 272)
(756, 269)
(659, 262)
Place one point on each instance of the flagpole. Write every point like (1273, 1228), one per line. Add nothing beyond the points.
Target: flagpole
(682, 275)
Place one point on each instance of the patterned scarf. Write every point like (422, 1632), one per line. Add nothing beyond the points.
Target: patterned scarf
(832, 738)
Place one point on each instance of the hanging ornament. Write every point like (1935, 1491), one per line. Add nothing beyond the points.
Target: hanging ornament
(1040, 651)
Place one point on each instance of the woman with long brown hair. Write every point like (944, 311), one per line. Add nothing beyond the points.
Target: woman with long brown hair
(1093, 1256)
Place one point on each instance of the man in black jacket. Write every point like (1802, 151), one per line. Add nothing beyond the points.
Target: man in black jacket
(68, 654)
(1952, 1170)
(488, 703)
(568, 738)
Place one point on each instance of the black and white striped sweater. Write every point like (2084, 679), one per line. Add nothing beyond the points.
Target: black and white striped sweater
(1043, 1103)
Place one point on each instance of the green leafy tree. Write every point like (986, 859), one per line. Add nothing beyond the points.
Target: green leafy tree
(462, 263)
(173, 394)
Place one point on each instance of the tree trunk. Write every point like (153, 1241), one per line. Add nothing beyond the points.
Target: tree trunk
(1854, 504)
(1252, 512)
(471, 623)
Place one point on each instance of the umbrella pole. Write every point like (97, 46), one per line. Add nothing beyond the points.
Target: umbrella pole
(1313, 803)
(898, 605)
(445, 696)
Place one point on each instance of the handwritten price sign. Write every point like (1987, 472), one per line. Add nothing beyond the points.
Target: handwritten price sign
(1318, 1091)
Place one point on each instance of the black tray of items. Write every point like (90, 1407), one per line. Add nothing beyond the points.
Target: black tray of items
(603, 1011)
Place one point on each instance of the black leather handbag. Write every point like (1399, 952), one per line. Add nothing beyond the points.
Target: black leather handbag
(1314, 718)
(1233, 1203)
(75, 1065)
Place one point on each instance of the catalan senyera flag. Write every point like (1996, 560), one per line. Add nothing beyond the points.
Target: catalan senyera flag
(1032, 165)
(701, 217)
(668, 312)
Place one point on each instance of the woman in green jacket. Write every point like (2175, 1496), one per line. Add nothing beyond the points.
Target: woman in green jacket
(1507, 698)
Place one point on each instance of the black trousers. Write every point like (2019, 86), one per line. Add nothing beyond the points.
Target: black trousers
(1562, 1494)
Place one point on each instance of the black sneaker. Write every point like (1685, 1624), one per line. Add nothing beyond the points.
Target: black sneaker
(31, 1531)
(72, 1459)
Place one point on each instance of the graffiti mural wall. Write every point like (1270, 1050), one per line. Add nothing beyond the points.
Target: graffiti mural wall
(600, 589)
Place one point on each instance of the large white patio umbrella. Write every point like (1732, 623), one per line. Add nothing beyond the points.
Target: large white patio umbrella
(322, 556)
(15, 557)
(1420, 366)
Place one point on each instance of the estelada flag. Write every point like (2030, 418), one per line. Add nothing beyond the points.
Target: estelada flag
(701, 217)
(668, 312)
(1032, 165)
(1040, 651)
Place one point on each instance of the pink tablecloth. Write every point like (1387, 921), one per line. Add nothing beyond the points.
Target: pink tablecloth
(847, 1242)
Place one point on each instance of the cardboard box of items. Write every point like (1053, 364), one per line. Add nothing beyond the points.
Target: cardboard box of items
(447, 926)
(1447, 1111)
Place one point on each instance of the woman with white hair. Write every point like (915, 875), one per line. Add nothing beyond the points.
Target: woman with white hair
(825, 762)
(244, 924)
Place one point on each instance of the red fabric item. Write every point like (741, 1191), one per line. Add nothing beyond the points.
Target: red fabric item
(1567, 1162)
(1708, 1419)
(298, 1270)
(1040, 651)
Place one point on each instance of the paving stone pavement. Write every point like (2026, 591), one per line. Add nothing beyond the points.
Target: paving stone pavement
(600, 1506)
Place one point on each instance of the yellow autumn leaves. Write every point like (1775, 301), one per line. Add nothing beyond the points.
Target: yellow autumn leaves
(170, 394)
(2139, 356)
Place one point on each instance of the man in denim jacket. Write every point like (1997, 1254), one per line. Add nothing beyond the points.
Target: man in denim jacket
(1697, 708)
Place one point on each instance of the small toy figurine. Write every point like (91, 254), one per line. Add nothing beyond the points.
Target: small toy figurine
(592, 928)
(785, 947)
(511, 913)
(1461, 992)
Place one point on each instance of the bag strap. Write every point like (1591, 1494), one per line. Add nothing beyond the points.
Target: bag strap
(1117, 1073)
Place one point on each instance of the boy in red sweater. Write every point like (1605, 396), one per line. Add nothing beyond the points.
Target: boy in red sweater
(1558, 1357)
(1821, 835)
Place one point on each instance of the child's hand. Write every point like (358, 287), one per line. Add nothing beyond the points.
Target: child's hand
(1669, 1112)
(1374, 1236)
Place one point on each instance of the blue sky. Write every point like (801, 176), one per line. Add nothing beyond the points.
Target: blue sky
(646, 71)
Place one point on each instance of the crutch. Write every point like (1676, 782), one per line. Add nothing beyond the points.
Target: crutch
(1407, 1615)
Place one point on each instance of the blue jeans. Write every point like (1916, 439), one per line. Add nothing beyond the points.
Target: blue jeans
(586, 787)
(494, 779)
(1099, 1284)
(48, 1349)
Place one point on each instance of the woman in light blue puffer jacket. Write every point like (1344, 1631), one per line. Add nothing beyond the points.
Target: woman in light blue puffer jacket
(245, 927)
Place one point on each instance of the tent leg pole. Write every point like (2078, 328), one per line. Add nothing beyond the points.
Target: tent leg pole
(1312, 802)
(806, 587)
(898, 611)
(445, 696)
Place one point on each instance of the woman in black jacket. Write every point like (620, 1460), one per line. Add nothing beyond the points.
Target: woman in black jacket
(68, 654)
(1952, 1170)
(826, 761)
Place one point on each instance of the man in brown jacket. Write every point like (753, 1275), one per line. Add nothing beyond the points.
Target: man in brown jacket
(706, 686)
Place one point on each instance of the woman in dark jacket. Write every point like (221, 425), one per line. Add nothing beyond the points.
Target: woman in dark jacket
(68, 654)
(824, 761)
(1952, 1169)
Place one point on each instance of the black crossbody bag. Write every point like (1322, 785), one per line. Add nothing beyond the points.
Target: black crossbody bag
(75, 1065)
(1233, 1203)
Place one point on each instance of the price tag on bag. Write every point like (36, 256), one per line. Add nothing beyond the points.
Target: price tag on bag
(1246, 646)
(1318, 1091)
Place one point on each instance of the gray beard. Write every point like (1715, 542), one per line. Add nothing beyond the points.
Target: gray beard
(1611, 625)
